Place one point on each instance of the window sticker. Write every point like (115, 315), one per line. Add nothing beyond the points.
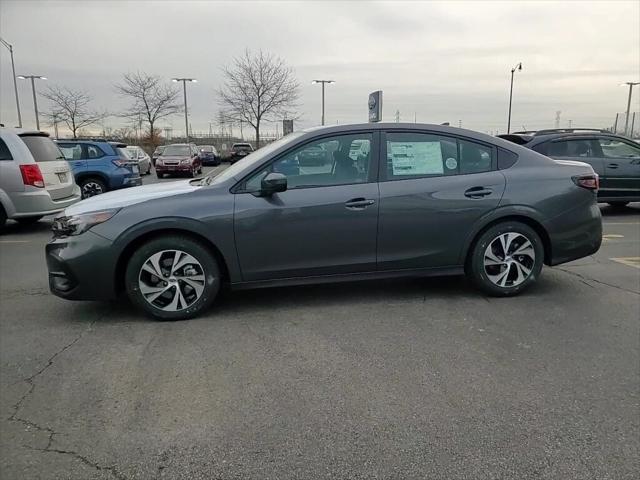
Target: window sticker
(451, 163)
(416, 158)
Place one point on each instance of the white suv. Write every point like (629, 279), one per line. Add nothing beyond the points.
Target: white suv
(35, 178)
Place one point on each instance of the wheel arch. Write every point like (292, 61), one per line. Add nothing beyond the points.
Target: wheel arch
(99, 175)
(535, 224)
(135, 243)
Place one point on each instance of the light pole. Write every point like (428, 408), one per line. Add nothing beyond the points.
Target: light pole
(323, 83)
(626, 121)
(33, 79)
(184, 89)
(15, 83)
(517, 67)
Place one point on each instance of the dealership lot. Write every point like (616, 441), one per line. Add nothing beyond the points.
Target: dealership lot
(396, 379)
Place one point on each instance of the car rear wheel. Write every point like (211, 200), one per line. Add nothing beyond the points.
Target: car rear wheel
(91, 187)
(506, 259)
(3, 217)
(172, 278)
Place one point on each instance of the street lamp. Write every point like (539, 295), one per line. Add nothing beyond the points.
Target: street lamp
(626, 122)
(33, 78)
(184, 88)
(323, 83)
(517, 67)
(15, 84)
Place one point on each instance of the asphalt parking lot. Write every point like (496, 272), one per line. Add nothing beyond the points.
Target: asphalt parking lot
(399, 379)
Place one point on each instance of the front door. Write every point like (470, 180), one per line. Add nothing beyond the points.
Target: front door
(433, 189)
(325, 222)
(622, 167)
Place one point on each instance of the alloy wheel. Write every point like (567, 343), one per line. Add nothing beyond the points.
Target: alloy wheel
(171, 280)
(509, 259)
(91, 189)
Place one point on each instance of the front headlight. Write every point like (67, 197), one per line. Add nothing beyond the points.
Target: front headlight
(158, 161)
(76, 224)
(186, 161)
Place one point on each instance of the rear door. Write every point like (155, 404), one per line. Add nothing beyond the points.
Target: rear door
(621, 159)
(580, 149)
(57, 175)
(433, 188)
(75, 155)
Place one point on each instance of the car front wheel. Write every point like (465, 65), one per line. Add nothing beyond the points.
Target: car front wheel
(506, 259)
(172, 278)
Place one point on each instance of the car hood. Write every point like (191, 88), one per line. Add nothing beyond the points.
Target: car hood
(131, 196)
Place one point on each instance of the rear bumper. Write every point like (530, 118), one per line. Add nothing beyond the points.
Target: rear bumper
(81, 267)
(575, 234)
(129, 181)
(38, 203)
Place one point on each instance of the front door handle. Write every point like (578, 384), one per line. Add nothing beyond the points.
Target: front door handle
(477, 192)
(613, 165)
(358, 203)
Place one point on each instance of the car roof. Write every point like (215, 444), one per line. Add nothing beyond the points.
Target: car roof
(541, 136)
(23, 131)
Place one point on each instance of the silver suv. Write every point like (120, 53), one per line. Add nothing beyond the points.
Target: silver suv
(35, 178)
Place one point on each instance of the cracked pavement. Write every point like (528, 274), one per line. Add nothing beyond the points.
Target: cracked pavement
(402, 379)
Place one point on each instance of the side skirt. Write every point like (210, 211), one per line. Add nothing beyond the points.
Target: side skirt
(350, 277)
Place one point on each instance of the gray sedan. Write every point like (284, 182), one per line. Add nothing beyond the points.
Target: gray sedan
(410, 200)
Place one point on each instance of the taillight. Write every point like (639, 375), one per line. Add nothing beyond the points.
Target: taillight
(120, 162)
(31, 175)
(590, 182)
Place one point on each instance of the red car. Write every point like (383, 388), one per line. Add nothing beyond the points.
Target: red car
(179, 158)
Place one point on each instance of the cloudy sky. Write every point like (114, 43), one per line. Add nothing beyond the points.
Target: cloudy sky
(440, 61)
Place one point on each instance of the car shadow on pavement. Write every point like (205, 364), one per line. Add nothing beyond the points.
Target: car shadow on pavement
(628, 210)
(15, 228)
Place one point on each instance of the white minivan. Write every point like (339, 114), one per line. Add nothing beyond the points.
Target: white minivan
(35, 178)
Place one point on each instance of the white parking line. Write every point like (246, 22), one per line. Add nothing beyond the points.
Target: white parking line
(15, 241)
(629, 261)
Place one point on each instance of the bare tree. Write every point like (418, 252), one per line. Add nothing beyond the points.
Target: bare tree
(71, 107)
(152, 99)
(258, 87)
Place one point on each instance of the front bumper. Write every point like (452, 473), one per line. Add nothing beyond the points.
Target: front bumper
(82, 267)
(174, 168)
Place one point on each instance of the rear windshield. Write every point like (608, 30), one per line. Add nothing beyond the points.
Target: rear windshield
(241, 147)
(176, 150)
(124, 153)
(43, 149)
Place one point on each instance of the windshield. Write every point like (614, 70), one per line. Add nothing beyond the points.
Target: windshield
(249, 162)
(206, 149)
(177, 150)
(42, 148)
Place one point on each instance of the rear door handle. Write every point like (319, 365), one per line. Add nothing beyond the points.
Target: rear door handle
(359, 203)
(477, 192)
(613, 165)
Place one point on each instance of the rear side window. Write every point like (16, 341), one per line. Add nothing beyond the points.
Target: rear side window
(94, 152)
(568, 148)
(506, 159)
(413, 155)
(43, 149)
(5, 154)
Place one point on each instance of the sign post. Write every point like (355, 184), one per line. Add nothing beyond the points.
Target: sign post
(375, 106)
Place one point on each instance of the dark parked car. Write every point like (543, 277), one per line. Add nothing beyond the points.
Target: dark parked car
(426, 200)
(614, 158)
(209, 155)
(238, 151)
(179, 158)
(100, 166)
(156, 153)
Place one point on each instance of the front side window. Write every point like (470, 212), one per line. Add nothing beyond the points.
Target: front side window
(615, 148)
(339, 160)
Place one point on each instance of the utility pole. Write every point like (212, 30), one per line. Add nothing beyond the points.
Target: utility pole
(626, 121)
(323, 82)
(397, 116)
(33, 79)
(570, 121)
(15, 82)
(184, 90)
(558, 112)
(519, 68)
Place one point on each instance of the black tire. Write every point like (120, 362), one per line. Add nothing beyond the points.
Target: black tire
(476, 261)
(3, 217)
(192, 173)
(92, 186)
(159, 175)
(28, 220)
(185, 244)
(620, 204)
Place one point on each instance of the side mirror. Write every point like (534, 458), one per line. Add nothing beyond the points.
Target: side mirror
(273, 183)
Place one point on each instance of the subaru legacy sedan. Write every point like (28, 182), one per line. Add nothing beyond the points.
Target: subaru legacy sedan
(410, 200)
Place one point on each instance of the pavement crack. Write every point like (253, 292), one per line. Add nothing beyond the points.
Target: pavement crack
(584, 279)
(111, 469)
